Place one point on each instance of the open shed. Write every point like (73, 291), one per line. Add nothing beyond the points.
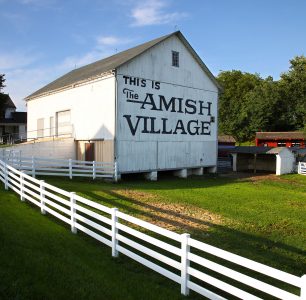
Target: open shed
(279, 160)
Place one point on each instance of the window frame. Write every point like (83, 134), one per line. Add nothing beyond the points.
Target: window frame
(175, 59)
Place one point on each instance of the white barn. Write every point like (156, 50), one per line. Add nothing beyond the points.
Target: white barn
(150, 108)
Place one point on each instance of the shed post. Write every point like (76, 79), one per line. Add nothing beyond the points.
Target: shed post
(234, 155)
(255, 160)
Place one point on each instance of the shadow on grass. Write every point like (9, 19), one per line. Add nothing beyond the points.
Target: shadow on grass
(249, 245)
(262, 249)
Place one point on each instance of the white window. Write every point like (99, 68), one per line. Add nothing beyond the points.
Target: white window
(40, 127)
(63, 122)
(51, 126)
(175, 58)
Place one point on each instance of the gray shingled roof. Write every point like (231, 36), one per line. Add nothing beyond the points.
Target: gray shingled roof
(257, 150)
(280, 135)
(99, 67)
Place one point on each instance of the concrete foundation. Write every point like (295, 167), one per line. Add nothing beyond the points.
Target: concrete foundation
(197, 171)
(182, 173)
(152, 176)
(212, 169)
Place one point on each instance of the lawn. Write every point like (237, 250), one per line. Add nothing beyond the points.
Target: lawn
(262, 219)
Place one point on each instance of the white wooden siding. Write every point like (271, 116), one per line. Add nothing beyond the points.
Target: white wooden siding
(145, 151)
(92, 109)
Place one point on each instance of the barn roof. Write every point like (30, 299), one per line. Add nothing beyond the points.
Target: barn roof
(110, 63)
(280, 135)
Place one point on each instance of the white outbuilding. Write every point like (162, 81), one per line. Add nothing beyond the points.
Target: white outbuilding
(150, 108)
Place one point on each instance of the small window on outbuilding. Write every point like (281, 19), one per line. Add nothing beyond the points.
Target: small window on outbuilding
(175, 58)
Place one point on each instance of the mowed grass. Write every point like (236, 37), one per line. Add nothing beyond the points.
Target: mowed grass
(41, 259)
(264, 220)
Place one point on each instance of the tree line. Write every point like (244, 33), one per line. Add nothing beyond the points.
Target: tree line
(250, 103)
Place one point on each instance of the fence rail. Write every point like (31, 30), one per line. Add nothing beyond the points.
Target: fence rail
(302, 168)
(61, 167)
(176, 256)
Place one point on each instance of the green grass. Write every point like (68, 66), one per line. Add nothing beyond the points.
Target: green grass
(41, 259)
(262, 220)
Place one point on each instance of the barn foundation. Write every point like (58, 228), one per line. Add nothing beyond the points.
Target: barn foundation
(152, 176)
(182, 173)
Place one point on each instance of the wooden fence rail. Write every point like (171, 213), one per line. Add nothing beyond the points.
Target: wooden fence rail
(62, 167)
(176, 256)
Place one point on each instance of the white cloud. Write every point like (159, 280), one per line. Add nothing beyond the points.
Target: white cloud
(111, 40)
(108, 40)
(153, 12)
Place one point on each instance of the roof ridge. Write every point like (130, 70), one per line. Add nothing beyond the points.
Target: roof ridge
(107, 64)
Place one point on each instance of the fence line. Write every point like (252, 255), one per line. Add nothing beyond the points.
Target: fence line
(175, 256)
(302, 168)
(61, 167)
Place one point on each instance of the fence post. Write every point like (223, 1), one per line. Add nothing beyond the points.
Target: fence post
(116, 172)
(42, 197)
(114, 232)
(5, 176)
(73, 211)
(21, 186)
(184, 263)
(94, 170)
(33, 166)
(70, 168)
(303, 288)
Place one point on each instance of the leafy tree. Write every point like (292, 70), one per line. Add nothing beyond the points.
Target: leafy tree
(293, 89)
(234, 106)
(2, 95)
(2, 80)
(250, 103)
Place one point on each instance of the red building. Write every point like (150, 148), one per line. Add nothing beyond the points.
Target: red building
(281, 139)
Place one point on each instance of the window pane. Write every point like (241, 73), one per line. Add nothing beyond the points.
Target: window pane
(175, 58)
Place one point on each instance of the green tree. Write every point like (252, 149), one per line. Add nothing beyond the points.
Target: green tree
(293, 90)
(235, 107)
(2, 95)
(2, 80)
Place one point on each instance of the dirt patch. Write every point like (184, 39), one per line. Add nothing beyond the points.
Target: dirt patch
(256, 177)
(172, 216)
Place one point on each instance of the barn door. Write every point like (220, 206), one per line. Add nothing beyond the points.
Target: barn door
(89, 151)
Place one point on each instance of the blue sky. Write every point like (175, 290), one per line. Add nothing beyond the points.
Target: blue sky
(43, 39)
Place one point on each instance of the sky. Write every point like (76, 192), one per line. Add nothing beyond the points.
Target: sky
(41, 40)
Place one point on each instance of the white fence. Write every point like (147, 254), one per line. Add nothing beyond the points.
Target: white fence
(302, 168)
(61, 167)
(176, 256)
